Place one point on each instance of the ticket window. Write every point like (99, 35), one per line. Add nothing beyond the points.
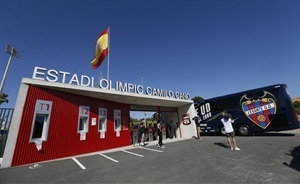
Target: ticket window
(40, 123)
(117, 122)
(83, 121)
(39, 129)
(102, 124)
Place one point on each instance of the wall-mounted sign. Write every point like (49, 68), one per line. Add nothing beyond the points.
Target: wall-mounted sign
(84, 80)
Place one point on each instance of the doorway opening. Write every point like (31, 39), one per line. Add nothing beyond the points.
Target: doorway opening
(170, 124)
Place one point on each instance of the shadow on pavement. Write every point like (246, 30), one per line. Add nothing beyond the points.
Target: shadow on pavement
(255, 135)
(295, 162)
(275, 134)
(221, 144)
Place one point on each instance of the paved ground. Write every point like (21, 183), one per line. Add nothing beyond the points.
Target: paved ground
(265, 158)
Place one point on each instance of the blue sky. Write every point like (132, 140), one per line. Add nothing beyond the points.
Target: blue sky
(206, 48)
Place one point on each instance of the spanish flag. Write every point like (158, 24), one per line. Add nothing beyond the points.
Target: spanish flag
(101, 49)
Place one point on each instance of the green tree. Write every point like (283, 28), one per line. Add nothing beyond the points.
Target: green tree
(197, 99)
(297, 106)
(3, 98)
(132, 120)
(155, 116)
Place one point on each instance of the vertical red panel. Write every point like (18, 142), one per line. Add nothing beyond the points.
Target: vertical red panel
(63, 139)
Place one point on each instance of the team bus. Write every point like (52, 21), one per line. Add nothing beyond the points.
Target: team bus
(258, 110)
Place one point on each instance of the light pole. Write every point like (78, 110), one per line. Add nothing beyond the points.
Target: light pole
(13, 53)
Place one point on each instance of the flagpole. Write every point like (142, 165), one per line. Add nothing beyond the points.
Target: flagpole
(108, 53)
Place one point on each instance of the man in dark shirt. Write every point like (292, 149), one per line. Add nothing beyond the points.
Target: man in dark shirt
(159, 133)
(197, 122)
(142, 131)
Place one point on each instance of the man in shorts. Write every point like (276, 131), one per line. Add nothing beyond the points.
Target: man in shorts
(229, 131)
(197, 122)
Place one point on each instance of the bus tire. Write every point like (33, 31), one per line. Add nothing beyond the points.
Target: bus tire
(244, 130)
(221, 130)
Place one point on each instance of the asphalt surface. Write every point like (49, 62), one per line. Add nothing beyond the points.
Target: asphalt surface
(265, 158)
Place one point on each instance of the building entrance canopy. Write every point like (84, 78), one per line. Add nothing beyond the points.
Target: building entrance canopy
(137, 101)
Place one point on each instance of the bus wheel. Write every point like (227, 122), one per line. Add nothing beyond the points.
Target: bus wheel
(222, 130)
(244, 130)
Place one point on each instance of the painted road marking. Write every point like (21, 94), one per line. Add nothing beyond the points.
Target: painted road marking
(132, 153)
(151, 149)
(108, 157)
(82, 167)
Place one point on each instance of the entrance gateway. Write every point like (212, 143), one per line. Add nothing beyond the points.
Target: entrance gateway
(59, 114)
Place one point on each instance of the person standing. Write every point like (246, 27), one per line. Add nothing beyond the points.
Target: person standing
(159, 133)
(142, 130)
(229, 131)
(197, 122)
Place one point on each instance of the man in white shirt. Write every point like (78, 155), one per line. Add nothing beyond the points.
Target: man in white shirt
(229, 131)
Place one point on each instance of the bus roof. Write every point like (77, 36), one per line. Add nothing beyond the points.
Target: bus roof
(242, 92)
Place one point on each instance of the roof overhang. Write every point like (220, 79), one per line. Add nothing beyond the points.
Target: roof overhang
(132, 99)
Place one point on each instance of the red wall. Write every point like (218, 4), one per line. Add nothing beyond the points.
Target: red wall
(63, 139)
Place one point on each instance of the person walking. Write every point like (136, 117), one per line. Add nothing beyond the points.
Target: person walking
(159, 133)
(142, 131)
(229, 131)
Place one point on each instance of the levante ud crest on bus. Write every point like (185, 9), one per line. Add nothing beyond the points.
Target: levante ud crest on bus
(258, 106)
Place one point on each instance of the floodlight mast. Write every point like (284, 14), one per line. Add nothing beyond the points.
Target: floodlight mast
(13, 53)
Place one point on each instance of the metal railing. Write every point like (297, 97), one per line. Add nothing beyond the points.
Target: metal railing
(5, 121)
